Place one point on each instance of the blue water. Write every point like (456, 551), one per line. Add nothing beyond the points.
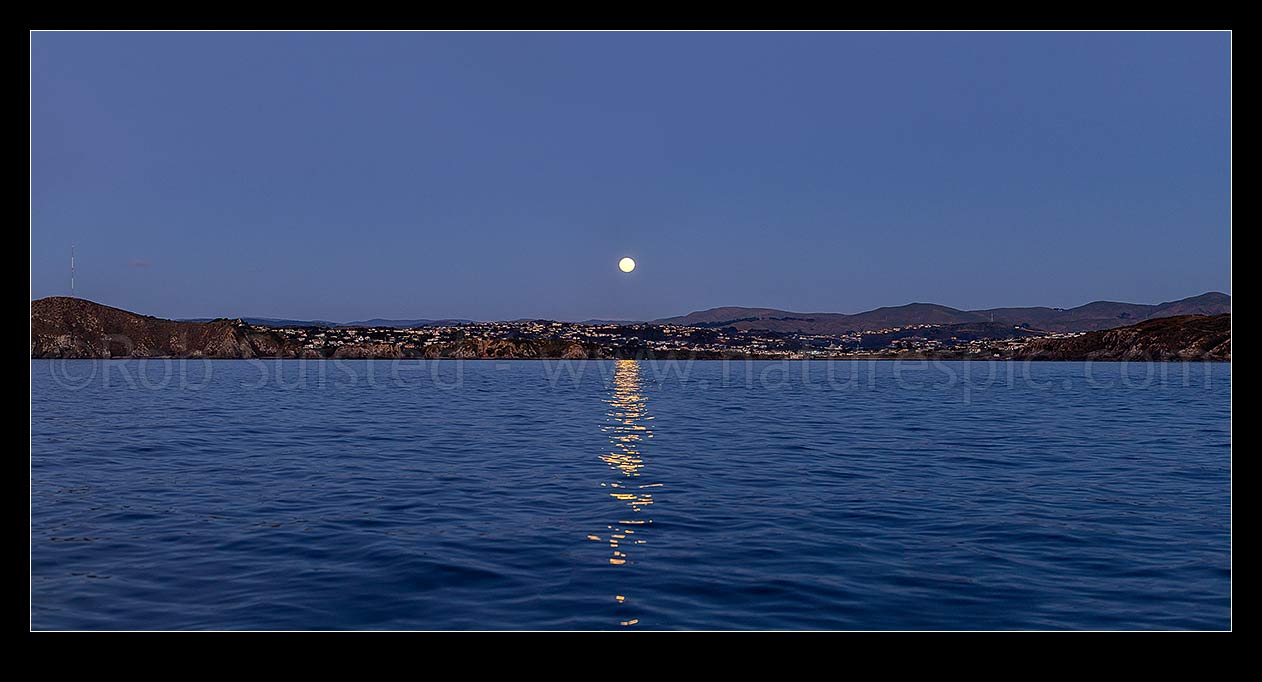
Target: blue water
(623, 495)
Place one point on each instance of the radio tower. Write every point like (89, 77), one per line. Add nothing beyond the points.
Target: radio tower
(72, 271)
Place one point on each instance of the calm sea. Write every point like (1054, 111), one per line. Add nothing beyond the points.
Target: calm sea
(625, 495)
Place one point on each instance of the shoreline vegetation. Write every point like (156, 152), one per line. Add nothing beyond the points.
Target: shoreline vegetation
(71, 328)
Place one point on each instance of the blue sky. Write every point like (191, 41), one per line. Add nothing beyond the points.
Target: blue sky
(502, 175)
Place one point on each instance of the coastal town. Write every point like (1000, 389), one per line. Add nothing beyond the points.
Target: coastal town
(609, 340)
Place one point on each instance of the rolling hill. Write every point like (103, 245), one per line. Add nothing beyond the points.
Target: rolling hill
(1089, 317)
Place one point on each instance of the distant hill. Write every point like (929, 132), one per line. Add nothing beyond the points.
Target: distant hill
(1212, 303)
(375, 322)
(1107, 315)
(399, 324)
(1089, 317)
(268, 321)
(1182, 337)
(617, 322)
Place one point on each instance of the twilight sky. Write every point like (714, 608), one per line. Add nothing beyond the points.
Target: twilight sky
(502, 175)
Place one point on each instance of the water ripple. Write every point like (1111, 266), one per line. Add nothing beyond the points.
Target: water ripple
(611, 495)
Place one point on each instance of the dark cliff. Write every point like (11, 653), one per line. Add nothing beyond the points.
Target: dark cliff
(74, 328)
(1185, 337)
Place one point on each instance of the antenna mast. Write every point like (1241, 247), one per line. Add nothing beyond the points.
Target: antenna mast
(72, 270)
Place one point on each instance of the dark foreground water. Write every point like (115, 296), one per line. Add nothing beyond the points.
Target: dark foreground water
(623, 495)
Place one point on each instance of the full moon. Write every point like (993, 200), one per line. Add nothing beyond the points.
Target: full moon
(626, 265)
